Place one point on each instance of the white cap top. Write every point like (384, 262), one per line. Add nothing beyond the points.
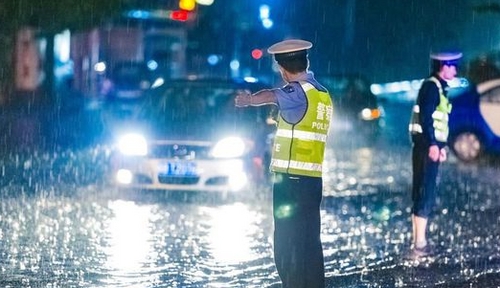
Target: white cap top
(447, 56)
(288, 46)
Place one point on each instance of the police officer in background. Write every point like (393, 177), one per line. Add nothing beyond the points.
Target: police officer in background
(305, 110)
(429, 132)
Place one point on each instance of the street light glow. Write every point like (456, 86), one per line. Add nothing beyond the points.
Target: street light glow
(267, 23)
(265, 16)
(235, 65)
(205, 2)
(264, 12)
(100, 67)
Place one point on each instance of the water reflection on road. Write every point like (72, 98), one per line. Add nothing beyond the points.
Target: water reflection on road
(90, 238)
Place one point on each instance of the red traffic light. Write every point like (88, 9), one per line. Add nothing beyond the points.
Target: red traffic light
(257, 53)
(179, 15)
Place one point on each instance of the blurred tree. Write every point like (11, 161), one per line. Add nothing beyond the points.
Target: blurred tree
(47, 18)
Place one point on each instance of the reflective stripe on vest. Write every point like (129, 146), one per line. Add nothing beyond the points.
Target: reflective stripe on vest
(299, 148)
(415, 128)
(302, 135)
(297, 165)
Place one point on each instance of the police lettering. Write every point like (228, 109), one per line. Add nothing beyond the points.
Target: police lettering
(320, 126)
(277, 147)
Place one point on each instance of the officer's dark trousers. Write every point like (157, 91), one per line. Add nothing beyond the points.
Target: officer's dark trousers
(298, 252)
(425, 173)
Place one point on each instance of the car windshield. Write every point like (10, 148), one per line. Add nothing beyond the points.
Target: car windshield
(203, 108)
(130, 74)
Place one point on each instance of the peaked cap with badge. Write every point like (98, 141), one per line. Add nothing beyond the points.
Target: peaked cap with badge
(289, 49)
(446, 58)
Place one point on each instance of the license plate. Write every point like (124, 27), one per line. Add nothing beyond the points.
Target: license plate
(178, 168)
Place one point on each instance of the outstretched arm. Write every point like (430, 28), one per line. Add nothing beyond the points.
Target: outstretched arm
(263, 97)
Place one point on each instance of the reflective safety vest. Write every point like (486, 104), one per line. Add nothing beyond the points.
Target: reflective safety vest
(299, 148)
(439, 116)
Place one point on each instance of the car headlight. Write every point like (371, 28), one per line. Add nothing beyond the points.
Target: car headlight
(133, 145)
(230, 147)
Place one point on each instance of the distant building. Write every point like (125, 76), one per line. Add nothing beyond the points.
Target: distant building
(108, 47)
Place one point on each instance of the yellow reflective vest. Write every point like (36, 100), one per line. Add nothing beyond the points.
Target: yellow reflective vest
(299, 148)
(439, 116)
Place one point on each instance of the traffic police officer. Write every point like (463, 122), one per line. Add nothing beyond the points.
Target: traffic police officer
(305, 110)
(429, 132)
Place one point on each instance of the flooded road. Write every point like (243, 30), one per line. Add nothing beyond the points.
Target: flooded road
(65, 233)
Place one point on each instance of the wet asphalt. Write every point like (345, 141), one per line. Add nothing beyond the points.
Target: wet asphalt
(62, 225)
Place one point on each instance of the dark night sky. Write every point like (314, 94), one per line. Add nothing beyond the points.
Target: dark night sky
(385, 40)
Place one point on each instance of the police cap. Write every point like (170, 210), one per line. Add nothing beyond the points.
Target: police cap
(446, 58)
(289, 49)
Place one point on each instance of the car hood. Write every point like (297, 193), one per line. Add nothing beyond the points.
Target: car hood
(188, 131)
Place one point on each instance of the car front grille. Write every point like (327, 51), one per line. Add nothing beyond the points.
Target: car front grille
(217, 181)
(176, 180)
(142, 179)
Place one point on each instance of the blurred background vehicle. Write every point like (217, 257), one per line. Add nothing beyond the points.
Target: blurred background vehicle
(356, 108)
(188, 135)
(475, 121)
(127, 80)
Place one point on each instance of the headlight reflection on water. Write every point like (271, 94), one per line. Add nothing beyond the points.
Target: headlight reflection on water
(130, 242)
(232, 233)
(229, 238)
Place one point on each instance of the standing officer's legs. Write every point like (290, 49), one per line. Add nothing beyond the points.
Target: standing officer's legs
(423, 192)
(297, 245)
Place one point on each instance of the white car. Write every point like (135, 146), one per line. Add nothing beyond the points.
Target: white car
(187, 135)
